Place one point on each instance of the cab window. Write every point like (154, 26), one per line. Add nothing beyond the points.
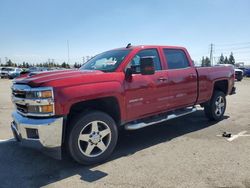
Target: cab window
(145, 53)
(176, 59)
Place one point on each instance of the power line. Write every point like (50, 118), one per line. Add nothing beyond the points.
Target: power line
(233, 44)
(246, 47)
(234, 52)
(211, 54)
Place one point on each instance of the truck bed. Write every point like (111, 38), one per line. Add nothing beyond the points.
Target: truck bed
(208, 75)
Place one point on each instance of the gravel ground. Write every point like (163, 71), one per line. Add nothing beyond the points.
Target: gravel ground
(185, 152)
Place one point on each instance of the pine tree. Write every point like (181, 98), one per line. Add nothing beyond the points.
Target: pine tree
(231, 59)
(75, 65)
(222, 59)
(205, 62)
(9, 63)
(64, 65)
(226, 61)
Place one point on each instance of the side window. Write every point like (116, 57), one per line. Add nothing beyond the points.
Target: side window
(176, 59)
(145, 53)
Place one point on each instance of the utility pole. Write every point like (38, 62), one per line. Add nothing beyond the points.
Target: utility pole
(211, 54)
(68, 50)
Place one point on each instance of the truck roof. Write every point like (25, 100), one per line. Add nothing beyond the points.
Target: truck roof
(150, 46)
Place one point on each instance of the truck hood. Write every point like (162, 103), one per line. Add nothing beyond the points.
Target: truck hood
(40, 78)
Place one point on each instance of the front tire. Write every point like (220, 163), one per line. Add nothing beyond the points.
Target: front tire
(215, 108)
(92, 137)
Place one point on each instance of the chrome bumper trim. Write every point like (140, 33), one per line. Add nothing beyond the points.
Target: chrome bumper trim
(49, 132)
(32, 102)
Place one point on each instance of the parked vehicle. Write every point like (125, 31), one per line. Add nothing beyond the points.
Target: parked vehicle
(14, 72)
(247, 72)
(4, 72)
(10, 72)
(243, 69)
(36, 69)
(128, 88)
(238, 74)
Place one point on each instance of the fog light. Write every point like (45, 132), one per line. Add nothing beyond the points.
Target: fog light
(32, 133)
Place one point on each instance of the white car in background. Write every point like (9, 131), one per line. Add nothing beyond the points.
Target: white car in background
(238, 74)
(10, 72)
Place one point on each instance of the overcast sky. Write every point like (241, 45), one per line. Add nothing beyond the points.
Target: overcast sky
(35, 30)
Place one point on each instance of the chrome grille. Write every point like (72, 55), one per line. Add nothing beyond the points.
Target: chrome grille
(22, 108)
(18, 91)
(19, 94)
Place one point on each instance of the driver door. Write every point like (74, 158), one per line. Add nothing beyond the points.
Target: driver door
(145, 94)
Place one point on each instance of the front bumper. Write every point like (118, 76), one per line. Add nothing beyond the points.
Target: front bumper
(42, 134)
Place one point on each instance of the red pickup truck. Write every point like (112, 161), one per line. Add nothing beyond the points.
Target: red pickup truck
(133, 87)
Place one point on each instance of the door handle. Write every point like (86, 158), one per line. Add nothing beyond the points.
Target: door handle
(191, 75)
(162, 79)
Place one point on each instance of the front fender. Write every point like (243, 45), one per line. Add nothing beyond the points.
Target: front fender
(68, 96)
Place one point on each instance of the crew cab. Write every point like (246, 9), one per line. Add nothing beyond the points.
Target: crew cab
(81, 111)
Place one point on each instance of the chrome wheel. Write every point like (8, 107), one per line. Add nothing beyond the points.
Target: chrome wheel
(219, 106)
(94, 138)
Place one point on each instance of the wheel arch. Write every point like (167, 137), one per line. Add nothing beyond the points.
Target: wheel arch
(221, 85)
(109, 105)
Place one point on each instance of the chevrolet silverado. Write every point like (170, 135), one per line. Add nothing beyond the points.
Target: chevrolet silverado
(81, 111)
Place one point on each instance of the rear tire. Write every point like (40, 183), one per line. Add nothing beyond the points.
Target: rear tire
(215, 108)
(92, 137)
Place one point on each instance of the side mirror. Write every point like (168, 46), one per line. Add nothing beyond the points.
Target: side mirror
(147, 66)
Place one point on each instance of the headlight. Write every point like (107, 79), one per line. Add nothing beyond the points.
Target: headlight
(33, 101)
(45, 109)
(39, 94)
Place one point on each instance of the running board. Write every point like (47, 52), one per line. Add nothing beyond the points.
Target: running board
(166, 117)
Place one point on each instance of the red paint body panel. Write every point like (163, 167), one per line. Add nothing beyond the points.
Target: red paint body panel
(144, 96)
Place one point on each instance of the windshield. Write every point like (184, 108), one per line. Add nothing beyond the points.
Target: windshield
(107, 61)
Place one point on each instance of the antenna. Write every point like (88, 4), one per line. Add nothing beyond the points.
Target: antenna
(128, 45)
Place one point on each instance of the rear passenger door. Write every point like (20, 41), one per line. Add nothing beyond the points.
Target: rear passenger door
(182, 79)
